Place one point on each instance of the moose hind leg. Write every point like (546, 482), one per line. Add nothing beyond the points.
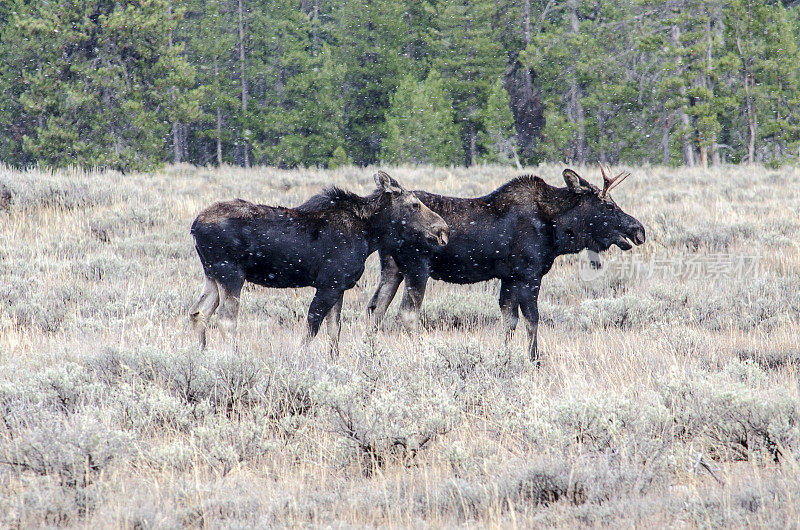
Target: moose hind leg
(230, 292)
(201, 311)
(411, 304)
(334, 323)
(391, 278)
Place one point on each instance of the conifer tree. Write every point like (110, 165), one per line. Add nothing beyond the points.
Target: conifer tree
(419, 125)
(131, 84)
(468, 59)
(763, 53)
(208, 28)
(497, 139)
(95, 94)
(369, 41)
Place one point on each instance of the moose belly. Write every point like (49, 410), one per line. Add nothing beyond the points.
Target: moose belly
(476, 252)
(279, 270)
(468, 267)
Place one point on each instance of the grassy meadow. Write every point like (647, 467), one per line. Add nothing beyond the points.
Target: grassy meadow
(667, 397)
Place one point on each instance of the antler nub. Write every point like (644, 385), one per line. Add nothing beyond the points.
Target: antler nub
(609, 183)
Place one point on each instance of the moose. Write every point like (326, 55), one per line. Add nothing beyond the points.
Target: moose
(322, 243)
(514, 234)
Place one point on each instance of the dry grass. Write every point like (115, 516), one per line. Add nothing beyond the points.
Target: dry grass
(663, 401)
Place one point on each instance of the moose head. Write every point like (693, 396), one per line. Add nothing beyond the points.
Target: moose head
(411, 221)
(596, 222)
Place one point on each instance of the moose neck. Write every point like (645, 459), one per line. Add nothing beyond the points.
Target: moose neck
(377, 224)
(567, 235)
(381, 232)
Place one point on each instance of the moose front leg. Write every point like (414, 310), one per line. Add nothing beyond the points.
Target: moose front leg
(391, 277)
(509, 307)
(528, 295)
(324, 300)
(411, 304)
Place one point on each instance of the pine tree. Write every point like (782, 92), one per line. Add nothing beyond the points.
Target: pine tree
(498, 137)
(177, 82)
(17, 57)
(132, 84)
(559, 54)
(762, 53)
(777, 78)
(306, 125)
(514, 24)
(693, 49)
(369, 44)
(96, 94)
(608, 92)
(419, 125)
(468, 59)
(208, 27)
(297, 111)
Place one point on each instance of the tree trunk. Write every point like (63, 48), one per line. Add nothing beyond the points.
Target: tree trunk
(409, 35)
(712, 140)
(245, 153)
(526, 21)
(579, 118)
(315, 30)
(703, 141)
(176, 129)
(473, 143)
(665, 142)
(601, 129)
(204, 156)
(176, 142)
(575, 96)
(752, 126)
(526, 107)
(525, 104)
(686, 136)
(751, 119)
(219, 136)
(185, 140)
(219, 115)
(777, 137)
(40, 121)
(751, 113)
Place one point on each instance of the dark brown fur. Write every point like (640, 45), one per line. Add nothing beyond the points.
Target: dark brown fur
(513, 234)
(235, 209)
(323, 243)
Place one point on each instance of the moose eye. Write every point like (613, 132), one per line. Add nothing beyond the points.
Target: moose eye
(417, 206)
(608, 207)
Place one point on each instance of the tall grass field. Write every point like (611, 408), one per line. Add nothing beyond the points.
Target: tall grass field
(668, 395)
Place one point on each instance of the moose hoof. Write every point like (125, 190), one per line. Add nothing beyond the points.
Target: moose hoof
(536, 360)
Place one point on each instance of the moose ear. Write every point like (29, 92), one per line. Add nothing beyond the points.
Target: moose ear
(575, 182)
(387, 183)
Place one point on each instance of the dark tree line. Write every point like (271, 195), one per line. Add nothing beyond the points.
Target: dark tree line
(135, 83)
